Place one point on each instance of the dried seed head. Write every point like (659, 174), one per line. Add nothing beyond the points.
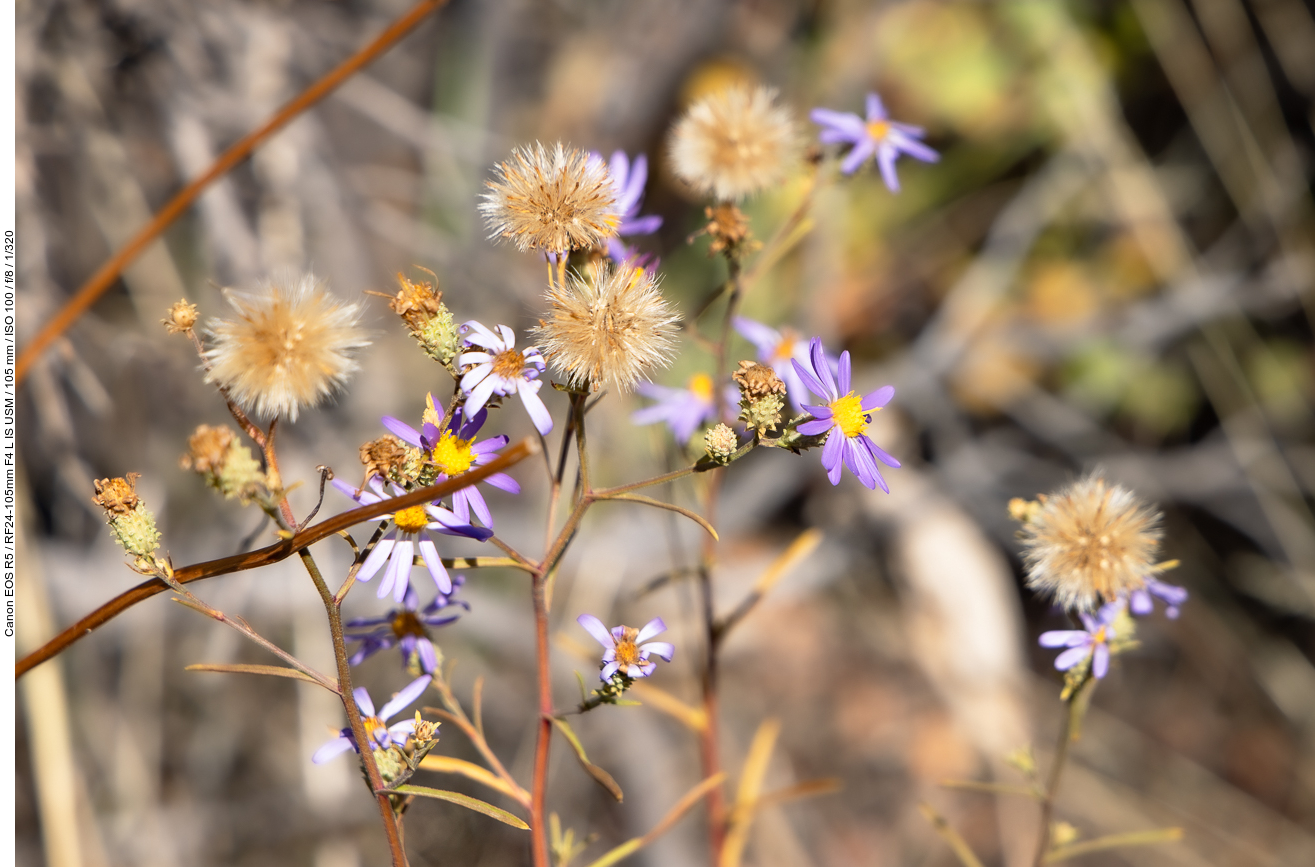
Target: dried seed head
(735, 142)
(117, 496)
(427, 318)
(609, 330)
(762, 396)
(180, 318)
(1091, 542)
(554, 199)
(131, 523)
(729, 229)
(288, 348)
(219, 456)
(757, 380)
(387, 457)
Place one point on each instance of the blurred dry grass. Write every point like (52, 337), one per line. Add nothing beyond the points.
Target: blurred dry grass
(1111, 266)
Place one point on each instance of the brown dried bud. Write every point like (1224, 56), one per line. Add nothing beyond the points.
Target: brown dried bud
(416, 303)
(757, 380)
(207, 449)
(729, 229)
(386, 456)
(117, 496)
(180, 318)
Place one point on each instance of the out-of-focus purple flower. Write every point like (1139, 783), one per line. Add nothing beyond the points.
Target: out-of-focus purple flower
(847, 417)
(498, 367)
(777, 349)
(376, 726)
(411, 528)
(454, 451)
(627, 649)
(628, 179)
(408, 627)
(683, 409)
(1093, 641)
(877, 136)
(1140, 602)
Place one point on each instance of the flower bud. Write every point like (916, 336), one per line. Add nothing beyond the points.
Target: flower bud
(721, 443)
(130, 521)
(762, 396)
(180, 318)
(219, 456)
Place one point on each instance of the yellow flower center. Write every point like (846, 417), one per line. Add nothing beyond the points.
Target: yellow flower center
(847, 412)
(701, 386)
(878, 130)
(1101, 635)
(406, 623)
(784, 350)
(452, 455)
(509, 363)
(627, 652)
(411, 520)
(372, 724)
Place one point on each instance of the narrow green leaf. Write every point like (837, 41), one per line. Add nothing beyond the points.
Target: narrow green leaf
(269, 670)
(1115, 841)
(602, 777)
(465, 801)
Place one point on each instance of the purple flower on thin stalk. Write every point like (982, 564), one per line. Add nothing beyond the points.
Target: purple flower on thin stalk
(376, 725)
(628, 649)
(877, 136)
(1173, 596)
(454, 451)
(847, 417)
(777, 349)
(628, 179)
(1093, 640)
(497, 367)
(412, 528)
(683, 409)
(407, 627)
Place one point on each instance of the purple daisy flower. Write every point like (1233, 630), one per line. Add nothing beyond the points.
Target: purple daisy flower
(412, 527)
(407, 627)
(628, 179)
(454, 451)
(847, 417)
(627, 648)
(777, 349)
(498, 367)
(1091, 641)
(376, 726)
(683, 409)
(1140, 602)
(877, 136)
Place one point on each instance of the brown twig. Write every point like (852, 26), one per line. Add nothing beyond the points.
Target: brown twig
(107, 274)
(271, 554)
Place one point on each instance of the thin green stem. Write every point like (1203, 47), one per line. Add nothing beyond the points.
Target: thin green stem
(1077, 703)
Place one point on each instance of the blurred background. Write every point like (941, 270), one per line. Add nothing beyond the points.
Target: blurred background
(1112, 266)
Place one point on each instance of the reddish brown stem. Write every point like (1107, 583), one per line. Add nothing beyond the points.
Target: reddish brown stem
(108, 273)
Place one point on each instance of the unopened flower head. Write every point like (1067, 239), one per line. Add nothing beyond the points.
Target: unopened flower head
(420, 304)
(289, 347)
(735, 142)
(720, 442)
(180, 318)
(1091, 542)
(609, 330)
(554, 199)
(762, 396)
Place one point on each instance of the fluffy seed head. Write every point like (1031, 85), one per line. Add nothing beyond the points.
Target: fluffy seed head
(1091, 542)
(554, 199)
(735, 142)
(288, 348)
(608, 330)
